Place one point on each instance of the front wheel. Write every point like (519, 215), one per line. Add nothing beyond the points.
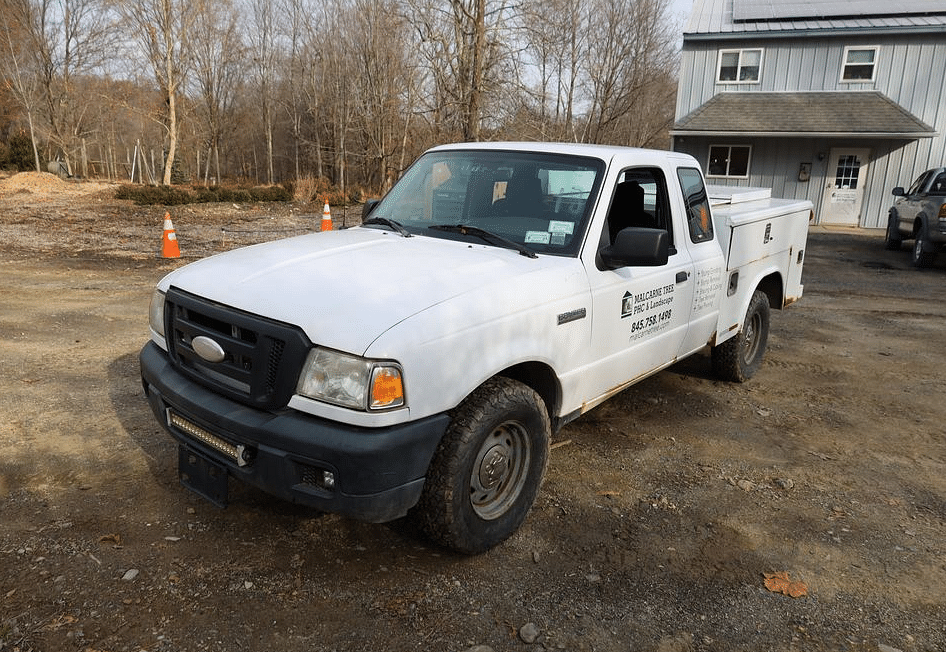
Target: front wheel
(892, 238)
(488, 468)
(923, 252)
(738, 358)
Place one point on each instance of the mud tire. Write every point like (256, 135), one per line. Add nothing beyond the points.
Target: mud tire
(739, 358)
(488, 468)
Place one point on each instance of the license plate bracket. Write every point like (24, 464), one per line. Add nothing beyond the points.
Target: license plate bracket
(203, 476)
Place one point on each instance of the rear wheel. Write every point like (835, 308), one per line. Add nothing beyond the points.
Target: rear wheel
(739, 358)
(488, 468)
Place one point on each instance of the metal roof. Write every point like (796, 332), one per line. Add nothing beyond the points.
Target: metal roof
(754, 10)
(772, 17)
(864, 114)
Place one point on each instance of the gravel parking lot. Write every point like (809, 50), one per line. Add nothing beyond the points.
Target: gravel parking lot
(667, 514)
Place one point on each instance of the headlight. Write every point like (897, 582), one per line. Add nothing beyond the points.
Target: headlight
(351, 381)
(156, 312)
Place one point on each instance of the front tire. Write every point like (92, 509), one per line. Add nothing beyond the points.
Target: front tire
(488, 468)
(739, 358)
(923, 252)
(892, 238)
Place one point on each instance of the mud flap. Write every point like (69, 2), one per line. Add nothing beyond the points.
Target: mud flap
(203, 476)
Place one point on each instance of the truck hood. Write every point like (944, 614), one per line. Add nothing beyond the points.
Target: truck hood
(345, 288)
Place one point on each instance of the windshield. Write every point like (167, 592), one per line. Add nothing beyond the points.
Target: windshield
(541, 201)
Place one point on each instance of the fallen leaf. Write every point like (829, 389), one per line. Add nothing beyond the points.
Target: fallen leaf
(781, 583)
(115, 539)
(60, 621)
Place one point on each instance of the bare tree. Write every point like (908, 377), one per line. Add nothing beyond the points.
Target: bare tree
(22, 82)
(554, 38)
(332, 101)
(265, 57)
(219, 67)
(628, 62)
(385, 85)
(463, 44)
(296, 26)
(164, 30)
(64, 43)
(350, 89)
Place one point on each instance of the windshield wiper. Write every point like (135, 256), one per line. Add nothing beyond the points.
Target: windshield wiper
(488, 236)
(390, 224)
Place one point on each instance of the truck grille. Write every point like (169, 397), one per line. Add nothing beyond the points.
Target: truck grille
(262, 358)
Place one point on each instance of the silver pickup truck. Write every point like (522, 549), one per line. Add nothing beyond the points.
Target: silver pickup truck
(920, 214)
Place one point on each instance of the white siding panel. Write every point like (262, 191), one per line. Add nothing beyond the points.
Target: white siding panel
(824, 68)
(910, 75)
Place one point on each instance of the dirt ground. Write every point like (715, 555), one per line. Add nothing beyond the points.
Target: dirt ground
(661, 513)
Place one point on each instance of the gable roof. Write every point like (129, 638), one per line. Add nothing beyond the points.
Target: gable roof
(768, 18)
(865, 114)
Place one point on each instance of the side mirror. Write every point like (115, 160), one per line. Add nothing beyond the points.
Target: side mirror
(368, 207)
(898, 191)
(637, 247)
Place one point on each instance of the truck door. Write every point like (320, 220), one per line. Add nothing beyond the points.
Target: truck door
(640, 313)
(707, 257)
(910, 204)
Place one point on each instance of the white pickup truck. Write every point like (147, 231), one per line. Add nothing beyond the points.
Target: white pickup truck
(420, 362)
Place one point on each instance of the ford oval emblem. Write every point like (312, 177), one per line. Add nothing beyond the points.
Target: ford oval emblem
(208, 349)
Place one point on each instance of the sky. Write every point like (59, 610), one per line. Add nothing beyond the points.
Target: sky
(681, 10)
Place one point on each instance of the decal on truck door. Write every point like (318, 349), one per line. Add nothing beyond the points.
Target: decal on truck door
(650, 311)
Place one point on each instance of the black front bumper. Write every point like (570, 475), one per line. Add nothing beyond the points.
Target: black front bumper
(378, 473)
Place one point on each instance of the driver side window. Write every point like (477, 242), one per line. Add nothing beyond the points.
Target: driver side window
(639, 200)
(918, 184)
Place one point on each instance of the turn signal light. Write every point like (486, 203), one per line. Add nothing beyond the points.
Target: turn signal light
(387, 389)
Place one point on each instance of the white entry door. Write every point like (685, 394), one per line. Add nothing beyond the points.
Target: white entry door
(844, 192)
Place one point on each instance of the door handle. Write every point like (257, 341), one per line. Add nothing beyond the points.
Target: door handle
(682, 276)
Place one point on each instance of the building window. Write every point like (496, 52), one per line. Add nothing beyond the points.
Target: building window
(739, 66)
(859, 64)
(849, 169)
(729, 161)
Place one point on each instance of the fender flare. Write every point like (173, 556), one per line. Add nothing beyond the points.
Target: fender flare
(920, 224)
(769, 280)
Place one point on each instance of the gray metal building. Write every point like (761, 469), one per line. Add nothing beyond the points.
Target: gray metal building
(828, 100)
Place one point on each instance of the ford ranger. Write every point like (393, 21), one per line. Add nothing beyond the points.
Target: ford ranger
(419, 363)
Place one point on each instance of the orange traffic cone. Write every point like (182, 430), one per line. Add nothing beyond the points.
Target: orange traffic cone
(326, 218)
(169, 247)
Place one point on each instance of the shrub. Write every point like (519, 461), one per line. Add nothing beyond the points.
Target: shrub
(271, 193)
(172, 195)
(18, 153)
(151, 195)
(321, 190)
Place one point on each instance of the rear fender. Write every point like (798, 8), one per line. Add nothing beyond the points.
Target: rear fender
(768, 280)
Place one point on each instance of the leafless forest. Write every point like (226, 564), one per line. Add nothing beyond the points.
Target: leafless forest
(350, 91)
